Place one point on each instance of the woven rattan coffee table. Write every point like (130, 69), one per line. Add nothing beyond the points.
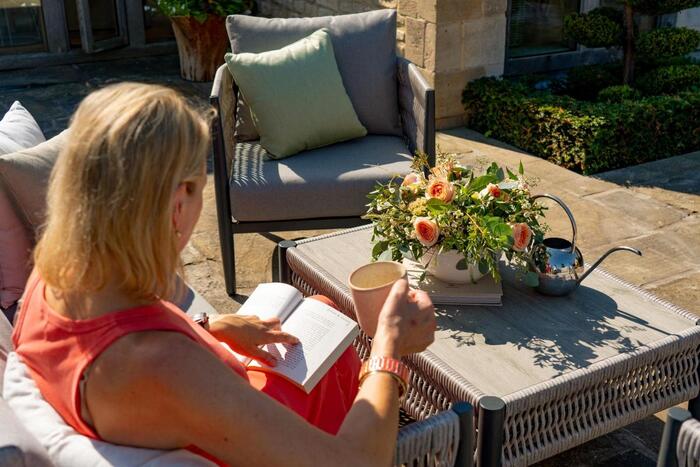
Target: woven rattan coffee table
(544, 374)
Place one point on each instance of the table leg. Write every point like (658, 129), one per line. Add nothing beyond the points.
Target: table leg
(492, 415)
(667, 451)
(694, 406)
(283, 266)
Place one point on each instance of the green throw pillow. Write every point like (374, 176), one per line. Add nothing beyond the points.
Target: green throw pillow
(296, 96)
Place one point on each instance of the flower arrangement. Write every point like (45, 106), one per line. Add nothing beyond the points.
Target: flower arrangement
(453, 208)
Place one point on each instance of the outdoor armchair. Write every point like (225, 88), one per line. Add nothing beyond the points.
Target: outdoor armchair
(324, 187)
(680, 444)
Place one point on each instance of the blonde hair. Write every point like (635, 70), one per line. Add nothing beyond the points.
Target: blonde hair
(110, 197)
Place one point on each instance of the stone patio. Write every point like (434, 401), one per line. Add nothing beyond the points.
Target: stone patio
(653, 207)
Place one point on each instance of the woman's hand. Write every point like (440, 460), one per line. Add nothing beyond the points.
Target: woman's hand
(245, 333)
(406, 322)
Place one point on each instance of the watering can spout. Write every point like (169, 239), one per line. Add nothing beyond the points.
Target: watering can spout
(607, 253)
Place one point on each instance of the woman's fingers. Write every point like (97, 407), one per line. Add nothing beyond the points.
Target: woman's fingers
(282, 337)
(263, 356)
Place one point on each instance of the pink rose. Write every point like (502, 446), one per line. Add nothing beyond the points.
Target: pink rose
(411, 179)
(427, 231)
(521, 236)
(441, 189)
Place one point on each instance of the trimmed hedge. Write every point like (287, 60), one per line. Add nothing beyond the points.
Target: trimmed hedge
(593, 29)
(664, 43)
(587, 137)
(669, 79)
(620, 93)
(661, 7)
(585, 82)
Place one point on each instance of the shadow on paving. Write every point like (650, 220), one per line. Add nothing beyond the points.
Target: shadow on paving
(678, 173)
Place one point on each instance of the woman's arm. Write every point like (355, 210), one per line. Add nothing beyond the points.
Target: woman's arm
(162, 390)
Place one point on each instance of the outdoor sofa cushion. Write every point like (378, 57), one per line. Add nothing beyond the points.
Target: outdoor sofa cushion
(24, 177)
(279, 83)
(5, 346)
(365, 49)
(68, 448)
(15, 247)
(19, 130)
(17, 446)
(332, 181)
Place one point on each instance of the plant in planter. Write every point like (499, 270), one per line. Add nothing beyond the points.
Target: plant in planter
(200, 32)
(455, 222)
(608, 27)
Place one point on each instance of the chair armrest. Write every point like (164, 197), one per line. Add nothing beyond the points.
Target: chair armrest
(417, 108)
(446, 437)
(223, 98)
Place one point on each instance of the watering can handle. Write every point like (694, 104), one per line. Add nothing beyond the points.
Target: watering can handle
(568, 213)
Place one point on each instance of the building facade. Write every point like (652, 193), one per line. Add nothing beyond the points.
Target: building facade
(452, 41)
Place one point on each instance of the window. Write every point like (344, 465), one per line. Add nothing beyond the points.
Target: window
(536, 27)
(21, 25)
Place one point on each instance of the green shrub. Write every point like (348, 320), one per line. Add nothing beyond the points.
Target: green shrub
(619, 93)
(661, 7)
(593, 29)
(670, 79)
(586, 82)
(665, 43)
(588, 137)
(200, 9)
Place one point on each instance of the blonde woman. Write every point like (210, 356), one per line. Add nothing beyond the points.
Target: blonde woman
(121, 363)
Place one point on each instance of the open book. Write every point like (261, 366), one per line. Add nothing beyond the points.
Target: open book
(486, 291)
(323, 332)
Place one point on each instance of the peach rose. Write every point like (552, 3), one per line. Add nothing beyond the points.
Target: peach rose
(491, 189)
(521, 236)
(411, 179)
(441, 189)
(427, 231)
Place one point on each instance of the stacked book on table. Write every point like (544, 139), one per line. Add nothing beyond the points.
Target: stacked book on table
(485, 291)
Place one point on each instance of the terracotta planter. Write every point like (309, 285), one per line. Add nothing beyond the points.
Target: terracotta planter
(201, 46)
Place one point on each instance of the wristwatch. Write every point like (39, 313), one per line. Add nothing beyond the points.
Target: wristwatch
(389, 365)
(202, 319)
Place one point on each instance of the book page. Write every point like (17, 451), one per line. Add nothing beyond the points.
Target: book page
(324, 334)
(271, 300)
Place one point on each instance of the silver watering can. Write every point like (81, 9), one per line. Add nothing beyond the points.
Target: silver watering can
(559, 263)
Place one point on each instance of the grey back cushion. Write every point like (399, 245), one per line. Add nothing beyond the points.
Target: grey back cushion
(365, 49)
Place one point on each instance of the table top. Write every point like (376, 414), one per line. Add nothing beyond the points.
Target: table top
(532, 338)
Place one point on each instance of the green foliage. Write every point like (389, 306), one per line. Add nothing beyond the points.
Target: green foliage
(601, 27)
(670, 79)
(665, 43)
(200, 9)
(586, 82)
(619, 93)
(474, 220)
(661, 7)
(587, 137)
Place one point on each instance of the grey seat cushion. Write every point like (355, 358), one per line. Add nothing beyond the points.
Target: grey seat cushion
(365, 49)
(332, 181)
(17, 446)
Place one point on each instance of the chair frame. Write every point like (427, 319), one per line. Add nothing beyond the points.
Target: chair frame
(417, 111)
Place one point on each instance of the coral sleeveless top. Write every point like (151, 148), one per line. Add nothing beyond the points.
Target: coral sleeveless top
(57, 350)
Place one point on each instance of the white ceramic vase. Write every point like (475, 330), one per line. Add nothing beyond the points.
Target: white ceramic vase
(443, 266)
